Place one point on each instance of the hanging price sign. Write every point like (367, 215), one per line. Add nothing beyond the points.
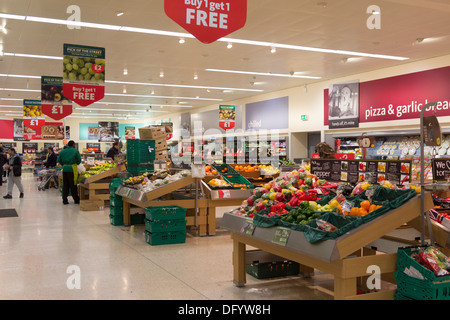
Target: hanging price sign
(83, 74)
(54, 104)
(207, 20)
(32, 116)
(227, 117)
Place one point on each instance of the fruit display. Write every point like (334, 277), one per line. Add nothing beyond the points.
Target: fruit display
(268, 170)
(219, 183)
(53, 94)
(210, 171)
(301, 215)
(433, 259)
(98, 169)
(154, 181)
(247, 168)
(77, 69)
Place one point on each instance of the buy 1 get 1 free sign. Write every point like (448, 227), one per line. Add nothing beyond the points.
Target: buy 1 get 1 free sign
(207, 20)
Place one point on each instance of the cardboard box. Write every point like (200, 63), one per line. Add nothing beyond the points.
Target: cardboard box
(162, 155)
(92, 205)
(160, 145)
(152, 133)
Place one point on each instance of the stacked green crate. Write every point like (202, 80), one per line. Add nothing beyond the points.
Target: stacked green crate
(165, 225)
(115, 203)
(141, 156)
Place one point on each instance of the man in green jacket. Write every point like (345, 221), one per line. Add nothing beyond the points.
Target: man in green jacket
(69, 158)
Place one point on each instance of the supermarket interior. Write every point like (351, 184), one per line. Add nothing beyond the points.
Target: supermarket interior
(228, 150)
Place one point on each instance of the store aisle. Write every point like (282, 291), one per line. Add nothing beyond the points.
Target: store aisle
(38, 247)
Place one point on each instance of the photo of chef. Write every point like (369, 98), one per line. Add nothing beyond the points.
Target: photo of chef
(343, 104)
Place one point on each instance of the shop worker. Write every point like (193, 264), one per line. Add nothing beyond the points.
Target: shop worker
(14, 169)
(70, 158)
(114, 150)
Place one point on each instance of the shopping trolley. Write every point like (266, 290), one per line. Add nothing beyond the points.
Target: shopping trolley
(47, 176)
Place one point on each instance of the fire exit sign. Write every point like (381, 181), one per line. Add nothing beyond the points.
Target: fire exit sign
(304, 117)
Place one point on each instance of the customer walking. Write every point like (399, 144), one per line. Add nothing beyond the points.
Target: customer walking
(69, 158)
(3, 161)
(14, 168)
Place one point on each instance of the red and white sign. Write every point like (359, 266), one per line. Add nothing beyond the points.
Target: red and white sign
(337, 156)
(57, 111)
(402, 97)
(208, 20)
(34, 123)
(83, 94)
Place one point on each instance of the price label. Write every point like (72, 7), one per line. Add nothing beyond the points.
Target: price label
(57, 111)
(224, 194)
(248, 228)
(281, 236)
(33, 123)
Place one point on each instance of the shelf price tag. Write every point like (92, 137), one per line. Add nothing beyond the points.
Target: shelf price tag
(281, 236)
(248, 228)
(224, 194)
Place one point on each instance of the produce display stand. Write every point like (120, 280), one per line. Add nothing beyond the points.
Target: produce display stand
(97, 187)
(347, 257)
(167, 196)
(222, 198)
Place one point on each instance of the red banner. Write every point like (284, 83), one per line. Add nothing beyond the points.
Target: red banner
(402, 97)
(34, 123)
(57, 111)
(207, 20)
(83, 94)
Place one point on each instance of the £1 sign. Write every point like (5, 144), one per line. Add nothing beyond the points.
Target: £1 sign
(208, 20)
(57, 111)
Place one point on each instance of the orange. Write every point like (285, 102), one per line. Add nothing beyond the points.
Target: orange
(339, 209)
(354, 212)
(365, 204)
(372, 208)
(363, 212)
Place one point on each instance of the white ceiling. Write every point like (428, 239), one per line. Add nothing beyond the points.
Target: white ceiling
(339, 25)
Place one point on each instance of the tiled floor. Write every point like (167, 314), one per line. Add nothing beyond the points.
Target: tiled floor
(38, 247)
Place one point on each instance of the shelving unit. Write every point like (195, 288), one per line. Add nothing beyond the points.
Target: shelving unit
(347, 257)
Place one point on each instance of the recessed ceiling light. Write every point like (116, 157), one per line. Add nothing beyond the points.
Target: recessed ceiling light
(195, 77)
(120, 13)
(161, 74)
(181, 41)
(230, 45)
(125, 72)
(273, 50)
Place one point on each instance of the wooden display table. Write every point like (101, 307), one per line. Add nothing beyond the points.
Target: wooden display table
(345, 257)
(97, 187)
(155, 199)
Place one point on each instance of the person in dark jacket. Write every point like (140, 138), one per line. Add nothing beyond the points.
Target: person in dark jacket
(3, 160)
(51, 160)
(113, 151)
(14, 168)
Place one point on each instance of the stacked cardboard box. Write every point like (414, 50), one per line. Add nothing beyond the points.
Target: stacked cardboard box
(157, 133)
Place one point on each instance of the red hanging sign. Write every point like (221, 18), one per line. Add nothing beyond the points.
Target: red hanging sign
(54, 104)
(207, 20)
(34, 123)
(57, 111)
(83, 74)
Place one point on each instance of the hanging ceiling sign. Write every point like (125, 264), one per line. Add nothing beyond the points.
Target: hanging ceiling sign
(83, 74)
(54, 104)
(207, 20)
(32, 117)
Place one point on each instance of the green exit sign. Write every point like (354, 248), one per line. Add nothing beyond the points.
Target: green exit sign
(304, 117)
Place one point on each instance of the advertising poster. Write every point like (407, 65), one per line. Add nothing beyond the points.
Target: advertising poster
(53, 102)
(33, 118)
(130, 132)
(227, 117)
(343, 105)
(83, 74)
(270, 114)
(93, 133)
(52, 131)
(19, 130)
(108, 131)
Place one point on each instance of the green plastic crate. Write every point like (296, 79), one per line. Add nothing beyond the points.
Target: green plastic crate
(137, 219)
(165, 225)
(141, 151)
(140, 168)
(237, 179)
(165, 213)
(431, 287)
(399, 296)
(274, 269)
(220, 167)
(115, 201)
(116, 220)
(115, 183)
(160, 238)
(115, 210)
